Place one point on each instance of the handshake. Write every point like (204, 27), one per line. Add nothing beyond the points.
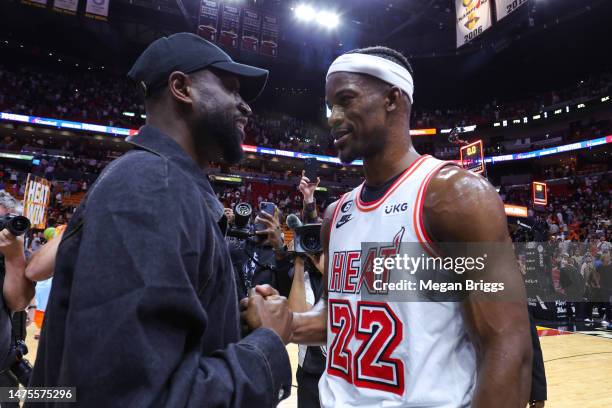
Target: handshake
(266, 308)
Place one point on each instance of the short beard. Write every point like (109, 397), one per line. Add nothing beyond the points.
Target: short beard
(222, 136)
(348, 157)
(366, 151)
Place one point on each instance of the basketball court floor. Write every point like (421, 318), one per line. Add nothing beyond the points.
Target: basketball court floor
(578, 366)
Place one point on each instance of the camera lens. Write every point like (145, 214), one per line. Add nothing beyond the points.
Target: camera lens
(18, 225)
(311, 242)
(243, 209)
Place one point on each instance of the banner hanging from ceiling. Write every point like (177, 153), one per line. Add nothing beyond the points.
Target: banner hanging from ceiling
(230, 27)
(269, 36)
(251, 30)
(66, 6)
(505, 7)
(473, 18)
(208, 20)
(97, 9)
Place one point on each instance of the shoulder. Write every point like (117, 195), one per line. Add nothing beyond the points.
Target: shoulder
(460, 204)
(135, 179)
(134, 166)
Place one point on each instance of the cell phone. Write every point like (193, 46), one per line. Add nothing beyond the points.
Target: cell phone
(310, 169)
(267, 207)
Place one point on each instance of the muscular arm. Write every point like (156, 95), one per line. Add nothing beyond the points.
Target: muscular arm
(42, 263)
(463, 207)
(311, 327)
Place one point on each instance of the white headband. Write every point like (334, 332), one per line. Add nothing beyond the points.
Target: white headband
(378, 67)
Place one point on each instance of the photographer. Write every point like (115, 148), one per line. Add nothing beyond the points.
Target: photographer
(262, 259)
(17, 292)
(306, 290)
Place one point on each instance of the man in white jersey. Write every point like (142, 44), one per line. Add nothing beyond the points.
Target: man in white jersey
(409, 354)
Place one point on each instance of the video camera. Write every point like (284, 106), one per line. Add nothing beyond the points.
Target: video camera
(307, 237)
(15, 224)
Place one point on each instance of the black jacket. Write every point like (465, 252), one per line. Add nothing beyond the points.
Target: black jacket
(5, 321)
(143, 310)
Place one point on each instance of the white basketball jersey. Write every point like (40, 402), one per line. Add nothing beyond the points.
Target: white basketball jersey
(390, 354)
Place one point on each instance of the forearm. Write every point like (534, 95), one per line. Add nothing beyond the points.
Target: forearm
(42, 263)
(18, 291)
(504, 373)
(310, 327)
(309, 210)
(297, 295)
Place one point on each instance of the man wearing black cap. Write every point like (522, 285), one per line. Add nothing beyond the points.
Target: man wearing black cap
(143, 310)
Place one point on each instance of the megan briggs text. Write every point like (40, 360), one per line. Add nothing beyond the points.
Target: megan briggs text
(429, 285)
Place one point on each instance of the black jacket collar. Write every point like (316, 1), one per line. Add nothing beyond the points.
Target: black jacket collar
(153, 140)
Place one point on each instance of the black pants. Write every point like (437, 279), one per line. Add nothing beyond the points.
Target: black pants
(308, 389)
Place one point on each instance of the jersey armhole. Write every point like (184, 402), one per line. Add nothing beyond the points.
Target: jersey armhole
(417, 218)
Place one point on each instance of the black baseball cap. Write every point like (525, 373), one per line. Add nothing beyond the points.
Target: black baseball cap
(188, 52)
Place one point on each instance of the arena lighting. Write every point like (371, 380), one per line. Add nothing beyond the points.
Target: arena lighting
(516, 211)
(605, 99)
(305, 12)
(130, 114)
(327, 19)
(123, 132)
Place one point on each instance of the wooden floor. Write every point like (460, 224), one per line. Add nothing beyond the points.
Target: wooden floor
(578, 369)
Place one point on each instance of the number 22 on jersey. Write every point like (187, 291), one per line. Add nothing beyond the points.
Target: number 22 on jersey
(378, 331)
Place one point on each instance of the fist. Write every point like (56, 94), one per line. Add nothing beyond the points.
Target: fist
(10, 245)
(272, 313)
(229, 213)
(307, 187)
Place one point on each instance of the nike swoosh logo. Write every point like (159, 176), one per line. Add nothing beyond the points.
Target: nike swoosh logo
(344, 220)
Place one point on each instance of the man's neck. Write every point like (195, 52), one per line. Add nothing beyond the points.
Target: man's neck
(384, 166)
(178, 131)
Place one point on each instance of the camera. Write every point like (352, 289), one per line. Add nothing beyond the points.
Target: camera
(15, 224)
(19, 367)
(241, 228)
(307, 239)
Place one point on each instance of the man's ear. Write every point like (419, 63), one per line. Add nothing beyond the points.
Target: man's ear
(394, 95)
(180, 87)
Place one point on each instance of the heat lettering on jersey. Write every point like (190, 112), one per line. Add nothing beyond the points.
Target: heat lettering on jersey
(347, 274)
